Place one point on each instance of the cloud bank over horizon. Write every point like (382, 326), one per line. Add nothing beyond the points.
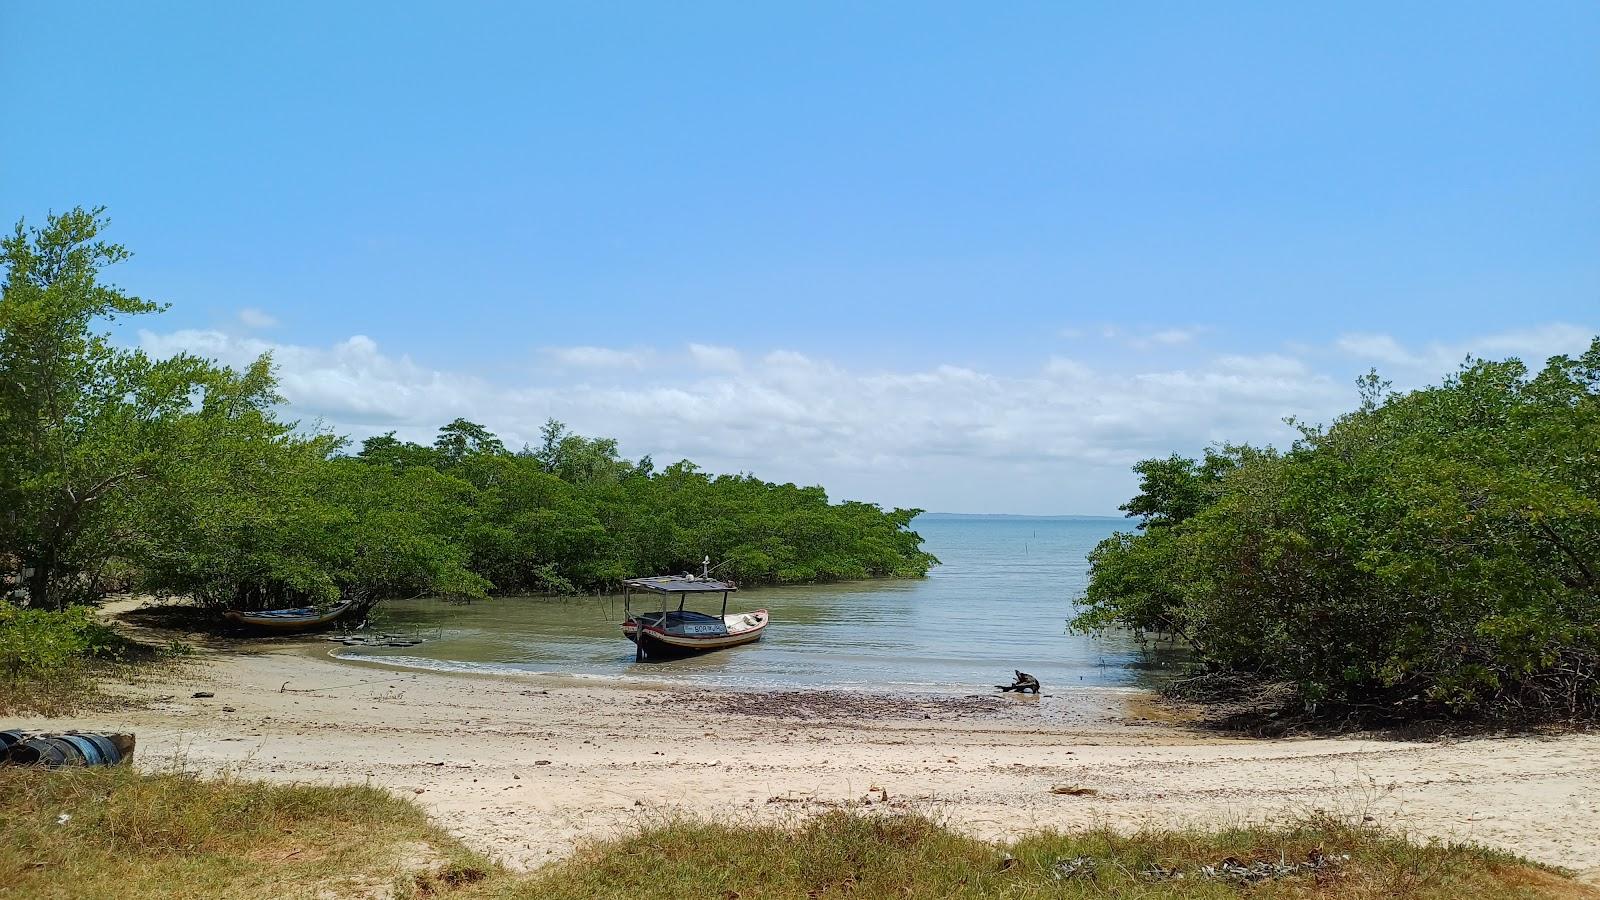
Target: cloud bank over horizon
(1051, 435)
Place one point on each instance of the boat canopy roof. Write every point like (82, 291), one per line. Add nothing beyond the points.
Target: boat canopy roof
(679, 584)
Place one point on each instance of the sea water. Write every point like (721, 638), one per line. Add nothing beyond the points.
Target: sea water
(999, 601)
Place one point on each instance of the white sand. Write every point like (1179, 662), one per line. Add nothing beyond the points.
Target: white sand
(616, 756)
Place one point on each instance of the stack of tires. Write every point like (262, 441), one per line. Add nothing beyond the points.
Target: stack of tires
(62, 750)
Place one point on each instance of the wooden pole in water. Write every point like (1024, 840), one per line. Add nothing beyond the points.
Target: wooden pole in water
(638, 626)
(663, 622)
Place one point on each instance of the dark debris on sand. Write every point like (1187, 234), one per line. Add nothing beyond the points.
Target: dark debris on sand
(825, 705)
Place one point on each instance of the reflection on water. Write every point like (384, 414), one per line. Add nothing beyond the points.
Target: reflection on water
(999, 602)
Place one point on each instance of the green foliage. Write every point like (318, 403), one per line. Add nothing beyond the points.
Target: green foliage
(177, 474)
(38, 642)
(1438, 547)
(83, 424)
(461, 439)
(1174, 489)
(578, 459)
(278, 520)
(574, 515)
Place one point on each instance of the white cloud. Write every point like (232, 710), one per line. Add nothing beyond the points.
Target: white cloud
(787, 359)
(1172, 336)
(1263, 364)
(716, 359)
(1056, 438)
(1164, 337)
(1379, 347)
(1142, 338)
(882, 435)
(595, 358)
(255, 318)
(1534, 345)
(1066, 369)
(352, 384)
(1433, 360)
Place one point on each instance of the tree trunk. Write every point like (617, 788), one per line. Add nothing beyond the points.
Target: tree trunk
(39, 581)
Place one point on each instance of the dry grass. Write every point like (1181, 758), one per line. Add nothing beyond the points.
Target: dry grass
(86, 684)
(58, 694)
(134, 836)
(59, 663)
(131, 836)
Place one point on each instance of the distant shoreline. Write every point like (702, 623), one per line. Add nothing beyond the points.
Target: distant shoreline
(1021, 516)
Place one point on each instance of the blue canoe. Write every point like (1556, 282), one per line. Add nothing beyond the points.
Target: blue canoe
(304, 618)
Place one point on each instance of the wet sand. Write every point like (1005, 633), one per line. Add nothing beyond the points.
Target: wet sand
(526, 767)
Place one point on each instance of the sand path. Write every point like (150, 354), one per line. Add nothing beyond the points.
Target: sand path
(524, 768)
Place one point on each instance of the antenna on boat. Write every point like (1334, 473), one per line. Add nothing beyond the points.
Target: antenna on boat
(705, 568)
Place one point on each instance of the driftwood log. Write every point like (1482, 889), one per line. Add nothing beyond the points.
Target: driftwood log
(1023, 683)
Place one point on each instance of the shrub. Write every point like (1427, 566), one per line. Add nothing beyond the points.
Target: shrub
(38, 641)
(1439, 548)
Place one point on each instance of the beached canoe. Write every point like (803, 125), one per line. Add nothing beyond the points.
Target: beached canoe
(305, 618)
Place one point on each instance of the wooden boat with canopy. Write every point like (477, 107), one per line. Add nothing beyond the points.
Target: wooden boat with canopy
(678, 632)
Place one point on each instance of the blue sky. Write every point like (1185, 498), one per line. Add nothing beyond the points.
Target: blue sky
(955, 256)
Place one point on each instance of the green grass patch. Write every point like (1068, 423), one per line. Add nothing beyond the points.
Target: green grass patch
(115, 833)
(844, 855)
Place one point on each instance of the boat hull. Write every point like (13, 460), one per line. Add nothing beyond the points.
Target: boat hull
(288, 621)
(657, 641)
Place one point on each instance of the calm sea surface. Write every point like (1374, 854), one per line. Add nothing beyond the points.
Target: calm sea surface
(999, 602)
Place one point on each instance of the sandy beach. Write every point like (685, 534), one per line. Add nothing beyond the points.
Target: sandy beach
(525, 767)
